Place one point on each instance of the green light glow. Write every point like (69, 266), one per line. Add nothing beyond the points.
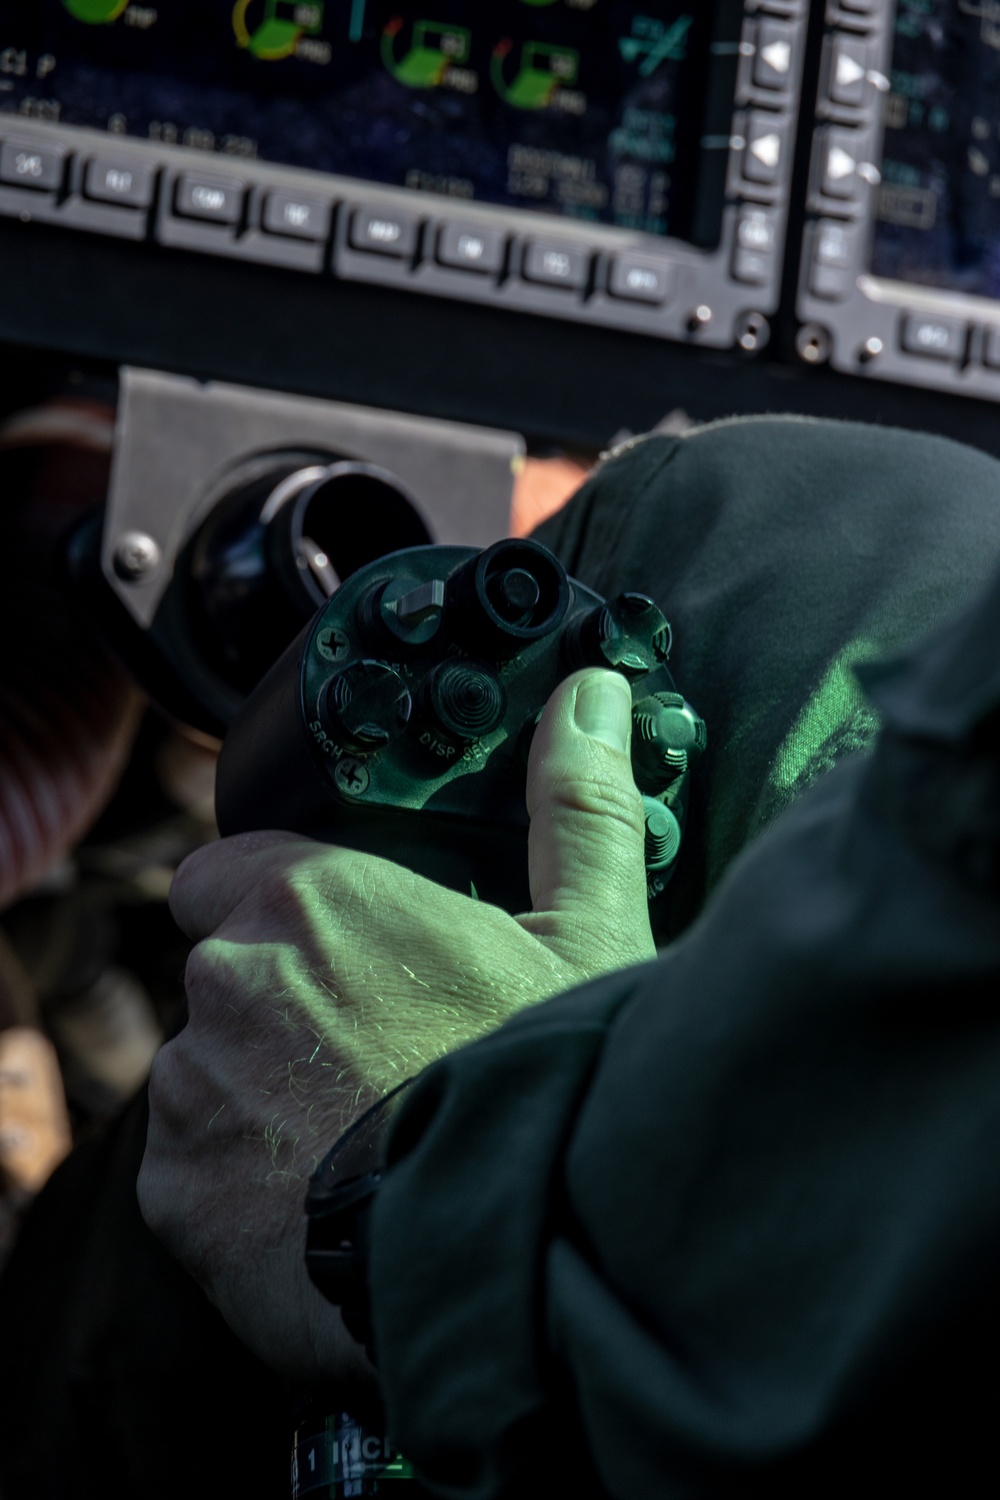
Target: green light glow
(96, 12)
(542, 70)
(836, 721)
(276, 34)
(435, 48)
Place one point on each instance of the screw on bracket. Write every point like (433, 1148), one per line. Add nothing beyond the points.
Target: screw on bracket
(135, 556)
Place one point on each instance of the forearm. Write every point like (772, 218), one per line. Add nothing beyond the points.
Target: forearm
(727, 1199)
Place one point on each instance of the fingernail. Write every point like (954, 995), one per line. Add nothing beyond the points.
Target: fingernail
(604, 709)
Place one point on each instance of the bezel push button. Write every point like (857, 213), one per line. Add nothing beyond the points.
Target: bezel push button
(932, 337)
(217, 200)
(766, 143)
(384, 232)
(991, 347)
(637, 278)
(302, 216)
(775, 55)
(107, 180)
(465, 247)
(40, 168)
(755, 251)
(557, 264)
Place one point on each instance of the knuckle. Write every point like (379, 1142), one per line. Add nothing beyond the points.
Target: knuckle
(301, 896)
(284, 899)
(165, 1084)
(611, 801)
(200, 971)
(217, 979)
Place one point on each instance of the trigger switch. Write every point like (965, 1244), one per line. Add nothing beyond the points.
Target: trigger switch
(467, 700)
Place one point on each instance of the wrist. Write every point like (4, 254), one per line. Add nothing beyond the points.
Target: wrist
(338, 1206)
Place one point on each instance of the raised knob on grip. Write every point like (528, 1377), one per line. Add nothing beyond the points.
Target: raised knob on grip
(507, 597)
(366, 706)
(629, 634)
(663, 834)
(514, 594)
(667, 735)
(402, 611)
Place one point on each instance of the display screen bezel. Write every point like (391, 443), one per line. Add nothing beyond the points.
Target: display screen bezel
(76, 90)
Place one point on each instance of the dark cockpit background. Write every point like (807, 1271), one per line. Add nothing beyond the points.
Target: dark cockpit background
(471, 249)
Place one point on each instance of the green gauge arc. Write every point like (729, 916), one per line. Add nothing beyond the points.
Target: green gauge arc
(274, 36)
(96, 12)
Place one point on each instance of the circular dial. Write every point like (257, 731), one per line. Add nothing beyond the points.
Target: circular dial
(366, 706)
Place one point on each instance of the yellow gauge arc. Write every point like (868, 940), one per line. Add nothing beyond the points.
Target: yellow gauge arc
(240, 22)
(285, 47)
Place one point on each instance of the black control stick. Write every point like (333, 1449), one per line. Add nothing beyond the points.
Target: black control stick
(399, 720)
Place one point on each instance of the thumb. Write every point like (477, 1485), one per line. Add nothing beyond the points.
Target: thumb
(586, 842)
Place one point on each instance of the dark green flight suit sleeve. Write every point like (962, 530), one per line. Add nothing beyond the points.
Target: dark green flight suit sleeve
(728, 1224)
(785, 551)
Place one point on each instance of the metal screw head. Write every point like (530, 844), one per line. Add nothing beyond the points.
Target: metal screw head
(813, 344)
(753, 332)
(136, 555)
(332, 644)
(351, 777)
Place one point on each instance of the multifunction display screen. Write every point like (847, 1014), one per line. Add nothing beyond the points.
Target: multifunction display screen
(939, 203)
(589, 109)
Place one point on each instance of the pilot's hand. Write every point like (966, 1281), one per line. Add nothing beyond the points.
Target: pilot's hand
(322, 977)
